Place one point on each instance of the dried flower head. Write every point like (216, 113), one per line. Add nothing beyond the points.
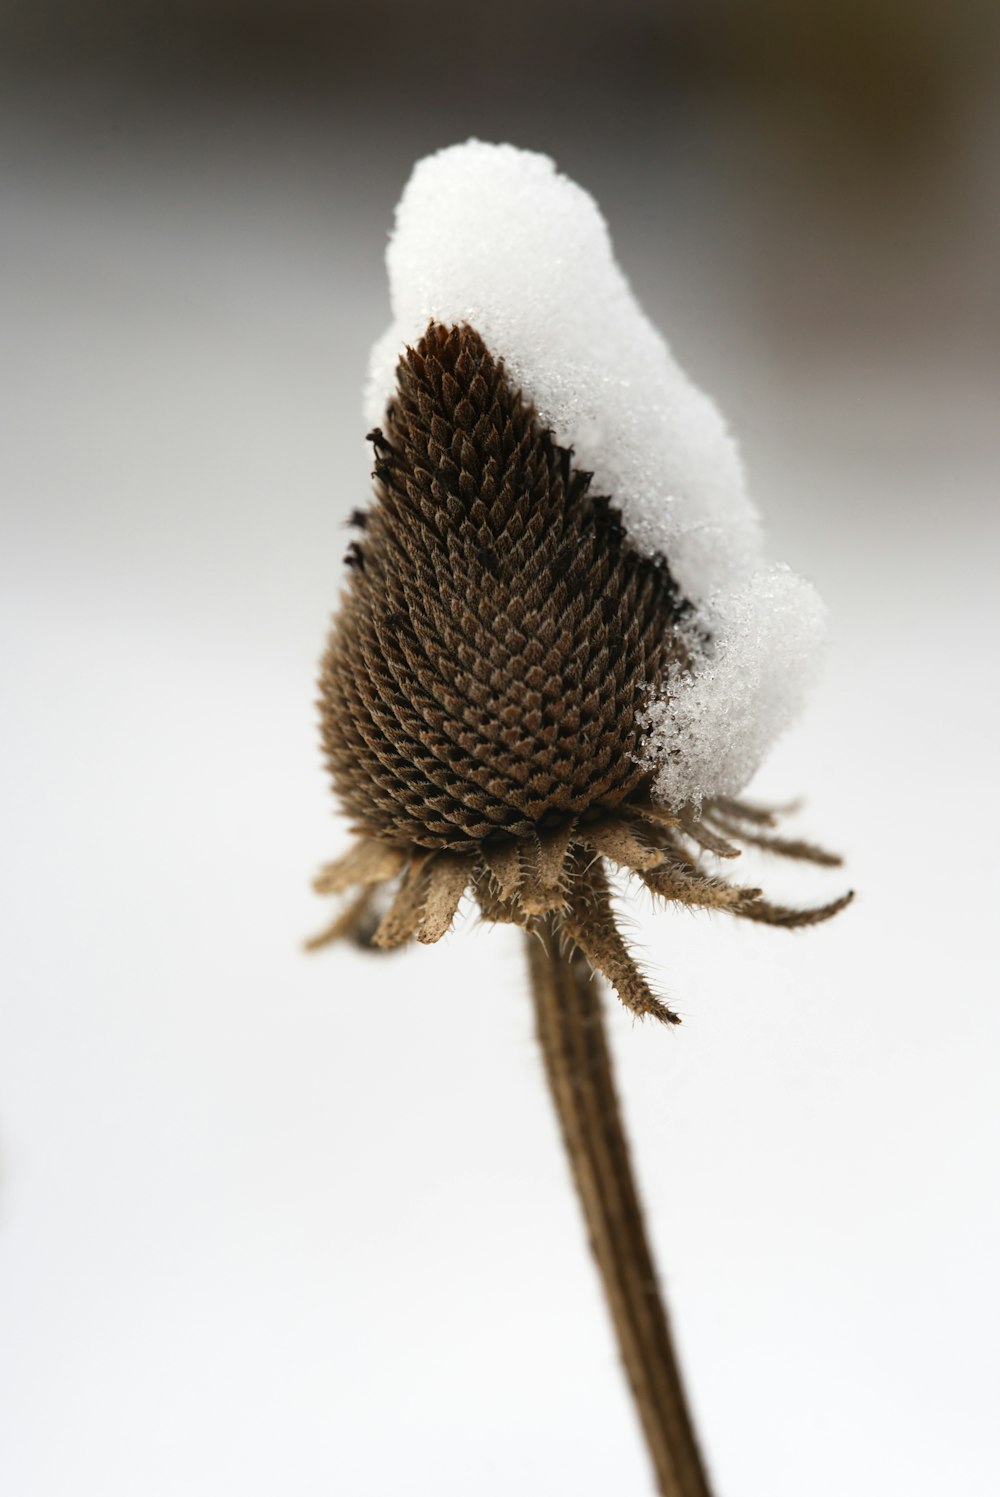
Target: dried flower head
(495, 686)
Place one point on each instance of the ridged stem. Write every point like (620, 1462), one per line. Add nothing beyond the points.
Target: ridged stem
(578, 1066)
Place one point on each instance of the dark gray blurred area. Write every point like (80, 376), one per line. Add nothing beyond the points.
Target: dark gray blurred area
(846, 156)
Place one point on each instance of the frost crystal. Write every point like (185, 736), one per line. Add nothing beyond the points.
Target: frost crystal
(497, 238)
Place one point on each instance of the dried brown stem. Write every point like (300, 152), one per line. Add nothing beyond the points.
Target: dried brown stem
(578, 1066)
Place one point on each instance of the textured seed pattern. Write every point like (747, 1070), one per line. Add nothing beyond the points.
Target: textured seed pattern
(480, 689)
(482, 679)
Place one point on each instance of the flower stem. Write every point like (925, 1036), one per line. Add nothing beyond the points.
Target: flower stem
(578, 1065)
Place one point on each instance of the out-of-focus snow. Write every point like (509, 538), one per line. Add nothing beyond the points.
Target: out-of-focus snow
(496, 237)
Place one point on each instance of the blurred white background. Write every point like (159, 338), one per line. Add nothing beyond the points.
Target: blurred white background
(276, 1223)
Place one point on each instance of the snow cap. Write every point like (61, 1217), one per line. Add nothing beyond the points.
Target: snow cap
(495, 237)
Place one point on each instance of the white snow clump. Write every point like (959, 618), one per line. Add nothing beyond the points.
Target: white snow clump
(495, 237)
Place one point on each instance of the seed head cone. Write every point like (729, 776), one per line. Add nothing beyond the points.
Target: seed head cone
(499, 633)
(482, 690)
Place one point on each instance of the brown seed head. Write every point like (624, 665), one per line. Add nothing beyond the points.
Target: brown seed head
(499, 632)
(482, 688)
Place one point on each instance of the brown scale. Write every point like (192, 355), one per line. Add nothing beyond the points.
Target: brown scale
(482, 684)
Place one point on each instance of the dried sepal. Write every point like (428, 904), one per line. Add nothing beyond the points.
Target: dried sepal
(590, 924)
(785, 847)
(700, 832)
(448, 876)
(503, 861)
(366, 862)
(790, 918)
(619, 841)
(346, 923)
(401, 920)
